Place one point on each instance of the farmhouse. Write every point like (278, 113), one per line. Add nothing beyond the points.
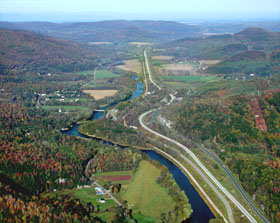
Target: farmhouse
(102, 200)
(98, 190)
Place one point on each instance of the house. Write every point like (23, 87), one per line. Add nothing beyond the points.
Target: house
(101, 200)
(98, 190)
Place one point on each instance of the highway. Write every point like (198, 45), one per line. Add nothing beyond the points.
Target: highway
(181, 166)
(231, 177)
(207, 172)
(148, 70)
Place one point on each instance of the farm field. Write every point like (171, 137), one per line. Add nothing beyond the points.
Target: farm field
(162, 57)
(66, 108)
(145, 194)
(141, 43)
(89, 195)
(182, 66)
(115, 177)
(190, 78)
(131, 65)
(210, 62)
(99, 94)
(103, 74)
(176, 84)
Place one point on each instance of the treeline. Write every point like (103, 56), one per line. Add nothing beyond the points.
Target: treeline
(182, 210)
(115, 160)
(112, 131)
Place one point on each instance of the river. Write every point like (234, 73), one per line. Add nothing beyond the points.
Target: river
(201, 212)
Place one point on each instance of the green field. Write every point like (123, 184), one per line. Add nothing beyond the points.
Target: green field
(157, 63)
(89, 195)
(66, 108)
(100, 74)
(86, 72)
(190, 79)
(144, 195)
(103, 74)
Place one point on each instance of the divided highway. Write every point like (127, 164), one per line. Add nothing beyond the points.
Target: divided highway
(208, 173)
(231, 177)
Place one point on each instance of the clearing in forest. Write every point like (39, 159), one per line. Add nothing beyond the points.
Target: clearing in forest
(145, 194)
(99, 94)
(131, 65)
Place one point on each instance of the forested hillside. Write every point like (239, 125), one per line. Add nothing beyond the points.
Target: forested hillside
(25, 51)
(243, 129)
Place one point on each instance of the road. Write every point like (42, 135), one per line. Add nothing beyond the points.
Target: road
(146, 82)
(220, 163)
(231, 177)
(108, 193)
(149, 72)
(94, 77)
(197, 184)
(206, 171)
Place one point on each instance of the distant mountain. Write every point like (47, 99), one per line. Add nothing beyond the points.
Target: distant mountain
(112, 31)
(25, 51)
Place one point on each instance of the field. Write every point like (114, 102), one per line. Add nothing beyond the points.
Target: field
(190, 78)
(182, 66)
(100, 74)
(210, 62)
(99, 94)
(141, 43)
(162, 57)
(100, 43)
(89, 195)
(103, 74)
(86, 72)
(131, 65)
(66, 108)
(175, 69)
(145, 195)
(115, 177)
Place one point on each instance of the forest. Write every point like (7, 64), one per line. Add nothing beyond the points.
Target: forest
(244, 131)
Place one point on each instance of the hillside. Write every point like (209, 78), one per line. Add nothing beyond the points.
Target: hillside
(25, 51)
(112, 31)
(238, 52)
(242, 128)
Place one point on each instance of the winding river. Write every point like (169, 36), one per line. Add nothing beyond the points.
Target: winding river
(201, 212)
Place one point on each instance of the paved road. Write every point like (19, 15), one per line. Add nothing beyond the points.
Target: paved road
(206, 171)
(231, 177)
(149, 72)
(198, 186)
(146, 82)
(218, 161)
(237, 185)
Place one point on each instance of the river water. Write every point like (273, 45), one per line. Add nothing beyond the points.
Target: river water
(201, 212)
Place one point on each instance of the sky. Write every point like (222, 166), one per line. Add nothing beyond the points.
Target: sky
(94, 10)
